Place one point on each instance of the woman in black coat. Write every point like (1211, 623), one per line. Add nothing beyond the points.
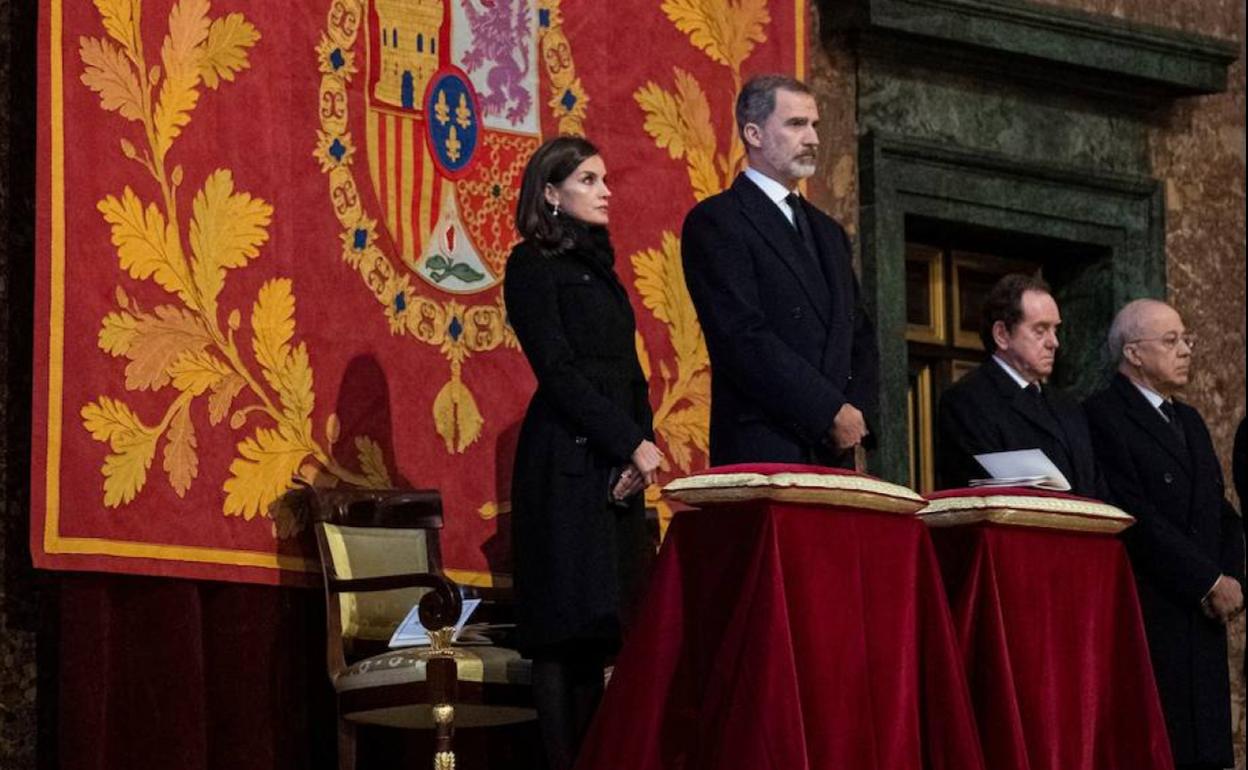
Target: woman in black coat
(586, 449)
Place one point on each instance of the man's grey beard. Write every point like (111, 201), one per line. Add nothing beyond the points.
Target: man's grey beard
(802, 169)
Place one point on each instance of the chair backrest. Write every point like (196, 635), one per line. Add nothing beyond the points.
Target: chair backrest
(381, 536)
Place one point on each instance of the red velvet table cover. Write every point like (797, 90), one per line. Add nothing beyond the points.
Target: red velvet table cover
(1055, 652)
(789, 636)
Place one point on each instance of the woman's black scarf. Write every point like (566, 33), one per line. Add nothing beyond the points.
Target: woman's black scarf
(590, 241)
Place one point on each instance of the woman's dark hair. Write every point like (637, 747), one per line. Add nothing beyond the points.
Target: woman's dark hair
(1004, 303)
(553, 162)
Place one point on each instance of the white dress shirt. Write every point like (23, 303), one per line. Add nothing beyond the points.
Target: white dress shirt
(1154, 398)
(773, 190)
(1014, 375)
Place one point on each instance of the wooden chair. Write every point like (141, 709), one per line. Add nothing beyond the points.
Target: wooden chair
(380, 556)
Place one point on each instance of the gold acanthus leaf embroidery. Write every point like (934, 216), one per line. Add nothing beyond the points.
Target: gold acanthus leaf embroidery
(661, 284)
(222, 396)
(186, 345)
(180, 54)
(133, 446)
(118, 19)
(198, 371)
(109, 73)
(285, 367)
(683, 416)
(181, 461)
(726, 31)
(147, 245)
(225, 50)
(262, 472)
(681, 124)
(152, 342)
(372, 462)
(227, 229)
(685, 430)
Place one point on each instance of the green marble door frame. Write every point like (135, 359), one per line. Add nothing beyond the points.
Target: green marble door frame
(1117, 217)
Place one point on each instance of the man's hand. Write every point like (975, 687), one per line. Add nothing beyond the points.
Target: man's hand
(848, 428)
(1225, 600)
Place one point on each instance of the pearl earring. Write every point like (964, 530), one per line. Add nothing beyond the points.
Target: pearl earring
(555, 211)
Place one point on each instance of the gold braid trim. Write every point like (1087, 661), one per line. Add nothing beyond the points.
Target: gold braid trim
(851, 491)
(1026, 511)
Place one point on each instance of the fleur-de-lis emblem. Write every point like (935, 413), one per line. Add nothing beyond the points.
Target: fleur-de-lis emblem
(453, 145)
(442, 110)
(463, 114)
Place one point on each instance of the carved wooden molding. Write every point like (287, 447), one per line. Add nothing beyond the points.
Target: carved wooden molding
(1055, 48)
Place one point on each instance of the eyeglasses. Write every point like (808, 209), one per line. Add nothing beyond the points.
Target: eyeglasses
(1170, 341)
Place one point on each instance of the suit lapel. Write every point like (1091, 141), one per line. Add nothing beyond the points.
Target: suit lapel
(824, 242)
(1031, 410)
(783, 241)
(1187, 417)
(1152, 422)
(1070, 419)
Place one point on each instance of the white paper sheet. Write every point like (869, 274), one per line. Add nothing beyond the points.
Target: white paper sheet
(1021, 468)
(411, 633)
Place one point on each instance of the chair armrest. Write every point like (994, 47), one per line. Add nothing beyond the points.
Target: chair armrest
(440, 608)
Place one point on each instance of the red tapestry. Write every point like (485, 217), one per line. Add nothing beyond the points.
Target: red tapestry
(271, 240)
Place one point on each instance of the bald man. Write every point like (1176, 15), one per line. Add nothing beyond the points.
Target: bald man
(1187, 545)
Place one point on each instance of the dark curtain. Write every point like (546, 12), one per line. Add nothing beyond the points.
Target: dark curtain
(174, 674)
(164, 673)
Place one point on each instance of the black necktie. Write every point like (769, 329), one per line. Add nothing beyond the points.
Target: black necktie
(802, 224)
(1037, 395)
(1172, 419)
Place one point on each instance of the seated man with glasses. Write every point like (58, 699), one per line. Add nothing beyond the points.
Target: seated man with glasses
(1187, 545)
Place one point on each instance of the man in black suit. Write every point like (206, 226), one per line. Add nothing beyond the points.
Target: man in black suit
(1005, 404)
(1187, 544)
(794, 365)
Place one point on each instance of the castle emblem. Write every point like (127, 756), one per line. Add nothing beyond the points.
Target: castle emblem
(408, 35)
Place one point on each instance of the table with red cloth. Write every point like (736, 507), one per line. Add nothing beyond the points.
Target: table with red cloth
(778, 635)
(1053, 640)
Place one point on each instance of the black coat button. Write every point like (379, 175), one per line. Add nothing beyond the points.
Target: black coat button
(1168, 478)
(797, 313)
(584, 276)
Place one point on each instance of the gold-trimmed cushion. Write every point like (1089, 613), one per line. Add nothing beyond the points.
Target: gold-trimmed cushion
(485, 664)
(1023, 507)
(790, 483)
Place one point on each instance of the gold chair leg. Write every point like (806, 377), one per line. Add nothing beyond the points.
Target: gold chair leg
(444, 720)
(441, 674)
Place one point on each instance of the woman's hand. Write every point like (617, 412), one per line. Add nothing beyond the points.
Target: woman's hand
(629, 483)
(647, 458)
